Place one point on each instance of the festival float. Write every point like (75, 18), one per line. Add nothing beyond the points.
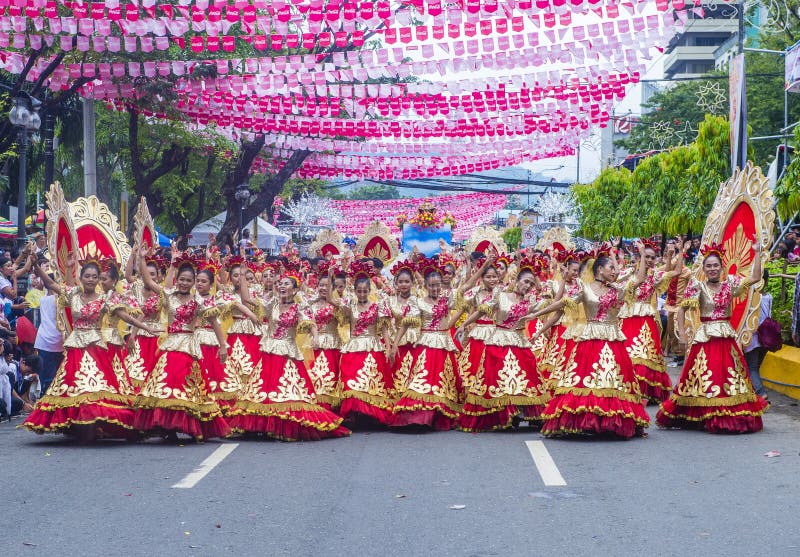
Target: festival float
(426, 230)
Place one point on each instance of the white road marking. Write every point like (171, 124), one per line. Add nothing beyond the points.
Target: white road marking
(544, 464)
(206, 466)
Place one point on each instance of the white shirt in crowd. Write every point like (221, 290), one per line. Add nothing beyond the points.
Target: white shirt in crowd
(48, 337)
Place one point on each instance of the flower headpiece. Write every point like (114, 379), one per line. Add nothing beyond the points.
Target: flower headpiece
(359, 270)
(603, 250)
(210, 265)
(185, 259)
(650, 243)
(532, 263)
(158, 261)
(295, 275)
(406, 265)
(106, 264)
(504, 258)
(426, 266)
(713, 249)
(566, 256)
(234, 261)
(446, 258)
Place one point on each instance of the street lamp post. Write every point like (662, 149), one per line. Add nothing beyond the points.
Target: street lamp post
(24, 116)
(242, 195)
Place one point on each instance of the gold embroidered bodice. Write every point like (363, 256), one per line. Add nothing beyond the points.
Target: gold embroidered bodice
(86, 318)
(281, 337)
(434, 320)
(405, 311)
(366, 327)
(326, 318)
(151, 307)
(602, 313)
(181, 317)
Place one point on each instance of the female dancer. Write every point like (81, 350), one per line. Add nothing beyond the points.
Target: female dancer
(142, 345)
(507, 385)
(174, 397)
(244, 335)
(597, 391)
(109, 278)
(366, 374)
(433, 395)
(279, 399)
(86, 390)
(324, 371)
(642, 332)
(220, 386)
(714, 391)
(405, 311)
(560, 347)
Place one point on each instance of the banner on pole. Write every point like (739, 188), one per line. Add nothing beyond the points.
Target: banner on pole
(738, 112)
(792, 71)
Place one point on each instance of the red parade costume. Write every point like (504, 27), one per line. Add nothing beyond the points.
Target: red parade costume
(279, 399)
(87, 389)
(366, 383)
(643, 338)
(507, 382)
(324, 371)
(714, 390)
(144, 355)
(433, 395)
(174, 397)
(597, 392)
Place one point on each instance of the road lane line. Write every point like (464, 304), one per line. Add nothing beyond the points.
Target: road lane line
(206, 466)
(544, 464)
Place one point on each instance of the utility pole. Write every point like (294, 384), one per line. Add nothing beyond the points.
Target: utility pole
(89, 149)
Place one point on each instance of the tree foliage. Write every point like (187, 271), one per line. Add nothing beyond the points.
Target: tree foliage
(375, 191)
(668, 193)
(512, 237)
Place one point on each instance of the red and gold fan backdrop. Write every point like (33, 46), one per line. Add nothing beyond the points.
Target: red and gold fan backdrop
(327, 243)
(486, 240)
(144, 230)
(377, 242)
(742, 214)
(98, 232)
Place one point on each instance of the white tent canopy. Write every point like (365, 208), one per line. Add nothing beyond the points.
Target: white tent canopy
(263, 234)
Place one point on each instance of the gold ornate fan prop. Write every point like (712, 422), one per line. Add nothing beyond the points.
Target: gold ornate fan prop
(98, 231)
(61, 237)
(486, 239)
(742, 214)
(377, 241)
(144, 229)
(328, 241)
(557, 237)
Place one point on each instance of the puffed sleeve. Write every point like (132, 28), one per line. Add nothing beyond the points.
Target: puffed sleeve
(691, 296)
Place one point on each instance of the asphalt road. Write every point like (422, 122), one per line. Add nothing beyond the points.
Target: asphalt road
(413, 494)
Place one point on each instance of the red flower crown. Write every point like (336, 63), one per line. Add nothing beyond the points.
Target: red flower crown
(650, 243)
(185, 259)
(401, 266)
(158, 261)
(359, 270)
(210, 265)
(566, 256)
(446, 258)
(426, 266)
(713, 249)
(504, 258)
(532, 263)
(295, 275)
(234, 261)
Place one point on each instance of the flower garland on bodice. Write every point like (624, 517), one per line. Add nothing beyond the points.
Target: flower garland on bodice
(286, 321)
(90, 314)
(607, 301)
(517, 312)
(440, 311)
(324, 315)
(365, 319)
(184, 314)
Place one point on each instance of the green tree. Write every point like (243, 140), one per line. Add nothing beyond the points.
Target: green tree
(375, 191)
(512, 237)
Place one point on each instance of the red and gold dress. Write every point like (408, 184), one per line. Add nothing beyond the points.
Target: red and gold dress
(406, 314)
(367, 381)
(561, 344)
(433, 395)
(142, 359)
(113, 338)
(174, 397)
(221, 387)
(470, 360)
(640, 326)
(324, 371)
(508, 383)
(279, 399)
(244, 352)
(541, 296)
(714, 390)
(597, 392)
(87, 389)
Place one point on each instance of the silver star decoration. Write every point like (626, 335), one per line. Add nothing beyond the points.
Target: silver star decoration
(661, 134)
(686, 135)
(711, 98)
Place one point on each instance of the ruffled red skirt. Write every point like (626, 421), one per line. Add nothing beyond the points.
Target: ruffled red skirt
(552, 350)
(540, 344)
(84, 392)
(213, 371)
(433, 395)
(142, 360)
(643, 342)
(366, 386)
(401, 369)
(119, 355)
(324, 373)
(244, 354)
(280, 402)
(714, 392)
(597, 393)
(508, 385)
(175, 398)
